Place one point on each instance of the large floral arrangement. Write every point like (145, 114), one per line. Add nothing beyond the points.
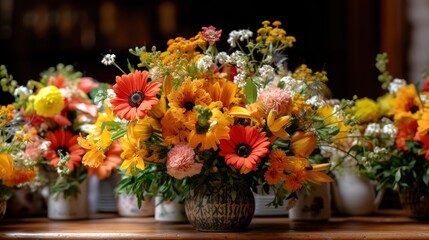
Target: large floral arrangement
(55, 110)
(191, 117)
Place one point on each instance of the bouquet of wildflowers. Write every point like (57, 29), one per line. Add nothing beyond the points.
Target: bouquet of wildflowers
(390, 142)
(56, 110)
(396, 153)
(17, 168)
(192, 116)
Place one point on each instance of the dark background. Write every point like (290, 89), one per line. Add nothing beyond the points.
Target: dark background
(341, 37)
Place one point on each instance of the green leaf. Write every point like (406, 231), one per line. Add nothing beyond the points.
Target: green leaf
(398, 175)
(251, 93)
(426, 179)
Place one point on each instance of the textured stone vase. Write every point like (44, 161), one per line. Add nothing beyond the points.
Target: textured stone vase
(216, 211)
(415, 204)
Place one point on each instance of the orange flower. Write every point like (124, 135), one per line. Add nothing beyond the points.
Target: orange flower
(406, 131)
(244, 148)
(65, 141)
(20, 176)
(134, 95)
(303, 143)
(275, 172)
(302, 170)
(406, 104)
(111, 161)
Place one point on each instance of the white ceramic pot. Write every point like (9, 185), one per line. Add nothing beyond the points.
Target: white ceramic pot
(128, 206)
(355, 194)
(314, 205)
(263, 210)
(170, 211)
(70, 208)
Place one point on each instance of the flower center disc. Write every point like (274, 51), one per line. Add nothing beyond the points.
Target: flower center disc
(136, 99)
(243, 150)
(189, 106)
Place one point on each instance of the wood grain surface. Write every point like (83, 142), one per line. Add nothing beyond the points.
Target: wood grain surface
(387, 224)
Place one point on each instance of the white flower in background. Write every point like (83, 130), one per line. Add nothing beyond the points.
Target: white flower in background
(373, 130)
(236, 35)
(240, 80)
(22, 92)
(108, 59)
(205, 63)
(317, 101)
(388, 133)
(266, 72)
(223, 58)
(396, 84)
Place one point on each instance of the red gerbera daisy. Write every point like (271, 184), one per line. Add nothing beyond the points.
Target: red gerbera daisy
(67, 143)
(245, 147)
(134, 95)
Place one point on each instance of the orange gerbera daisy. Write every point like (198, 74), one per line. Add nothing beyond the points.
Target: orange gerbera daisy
(64, 141)
(245, 148)
(135, 96)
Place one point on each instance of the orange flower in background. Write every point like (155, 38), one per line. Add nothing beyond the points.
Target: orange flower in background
(135, 96)
(406, 104)
(110, 163)
(20, 176)
(301, 170)
(245, 148)
(64, 141)
(406, 130)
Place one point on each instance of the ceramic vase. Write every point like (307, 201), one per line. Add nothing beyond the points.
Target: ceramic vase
(355, 194)
(312, 205)
(69, 208)
(127, 206)
(170, 211)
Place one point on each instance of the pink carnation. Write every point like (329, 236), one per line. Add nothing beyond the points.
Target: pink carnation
(181, 163)
(211, 35)
(276, 99)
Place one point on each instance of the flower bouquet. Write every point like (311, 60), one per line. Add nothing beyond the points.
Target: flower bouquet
(56, 110)
(193, 119)
(17, 170)
(393, 145)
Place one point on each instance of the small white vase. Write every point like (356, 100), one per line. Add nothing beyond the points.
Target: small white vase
(170, 211)
(263, 210)
(314, 205)
(70, 208)
(355, 194)
(128, 206)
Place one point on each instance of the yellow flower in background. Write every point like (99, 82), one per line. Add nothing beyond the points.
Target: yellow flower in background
(49, 102)
(333, 119)
(385, 103)
(277, 126)
(6, 114)
(132, 154)
(6, 165)
(144, 128)
(303, 143)
(367, 110)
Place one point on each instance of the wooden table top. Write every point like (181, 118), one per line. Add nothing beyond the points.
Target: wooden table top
(387, 224)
